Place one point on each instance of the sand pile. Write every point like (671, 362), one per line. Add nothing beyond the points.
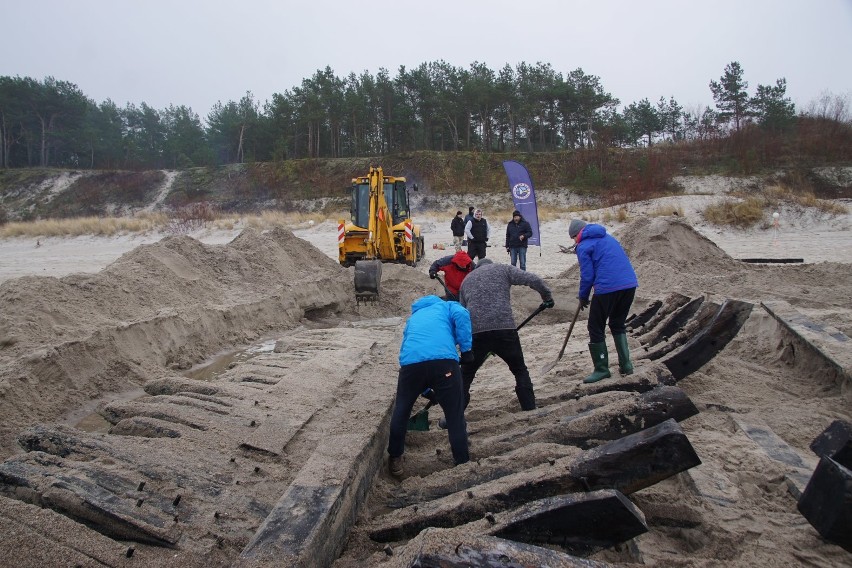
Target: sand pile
(164, 305)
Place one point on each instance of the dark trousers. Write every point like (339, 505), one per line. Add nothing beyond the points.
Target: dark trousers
(443, 376)
(614, 307)
(506, 344)
(476, 249)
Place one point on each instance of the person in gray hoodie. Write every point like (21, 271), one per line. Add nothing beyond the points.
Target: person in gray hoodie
(486, 293)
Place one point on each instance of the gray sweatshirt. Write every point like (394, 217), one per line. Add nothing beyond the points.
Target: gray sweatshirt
(486, 293)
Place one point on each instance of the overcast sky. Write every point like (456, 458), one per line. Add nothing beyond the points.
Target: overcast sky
(198, 52)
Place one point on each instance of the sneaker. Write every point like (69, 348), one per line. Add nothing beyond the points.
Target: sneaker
(395, 466)
(442, 423)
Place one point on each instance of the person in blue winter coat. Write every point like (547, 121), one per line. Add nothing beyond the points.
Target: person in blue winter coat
(605, 267)
(428, 358)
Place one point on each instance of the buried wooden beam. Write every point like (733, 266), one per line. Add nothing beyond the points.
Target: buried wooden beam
(626, 414)
(673, 324)
(827, 502)
(612, 421)
(579, 523)
(310, 521)
(672, 302)
(437, 548)
(81, 497)
(695, 325)
(628, 464)
(711, 340)
(835, 442)
(637, 321)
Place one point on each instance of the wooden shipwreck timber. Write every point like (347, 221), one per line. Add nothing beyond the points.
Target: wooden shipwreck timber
(200, 468)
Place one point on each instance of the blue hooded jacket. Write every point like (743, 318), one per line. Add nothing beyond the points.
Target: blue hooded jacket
(433, 330)
(603, 263)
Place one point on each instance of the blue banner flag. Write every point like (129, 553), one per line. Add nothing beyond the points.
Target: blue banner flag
(523, 196)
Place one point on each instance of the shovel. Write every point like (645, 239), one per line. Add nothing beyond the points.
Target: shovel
(419, 422)
(550, 366)
(450, 295)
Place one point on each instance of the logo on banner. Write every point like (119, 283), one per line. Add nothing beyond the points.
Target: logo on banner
(521, 190)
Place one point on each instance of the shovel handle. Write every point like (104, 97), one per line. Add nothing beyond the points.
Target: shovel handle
(447, 290)
(570, 329)
(531, 316)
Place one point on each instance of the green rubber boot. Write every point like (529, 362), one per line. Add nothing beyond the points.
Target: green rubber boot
(625, 367)
(600, 358)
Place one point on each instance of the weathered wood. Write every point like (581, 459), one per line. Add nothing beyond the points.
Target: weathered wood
(628, 464)
(580, 523)
(672, 324)
(618, 420)
(799, 467)
(827, 502)
(645, 378)
(433, 548)
(37, 537)
(636, 321)
(702, 318)
(831, 344)
(711, 340)
(309, 524)
(628, 413)
(82, 498)
(835, 442)
(671, 303)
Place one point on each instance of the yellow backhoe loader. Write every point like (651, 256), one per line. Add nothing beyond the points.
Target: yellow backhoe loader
(380, 230)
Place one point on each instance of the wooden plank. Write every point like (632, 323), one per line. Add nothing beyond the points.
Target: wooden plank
(433, 549)
(827, 502)
(835, 442)
(628, 464)
(710, 340)
(829, 342)
(309, 524)
(579, 523)
(799, 467)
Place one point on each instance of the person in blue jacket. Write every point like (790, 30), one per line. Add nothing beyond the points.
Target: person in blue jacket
(428, 359)
(605, 267)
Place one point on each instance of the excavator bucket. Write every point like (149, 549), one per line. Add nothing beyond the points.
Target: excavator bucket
(368, 277)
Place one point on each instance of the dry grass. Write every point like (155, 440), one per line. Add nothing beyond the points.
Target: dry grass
(749, 209)
(738, 213)
(780, 193)
(108, 226)
(102, 226)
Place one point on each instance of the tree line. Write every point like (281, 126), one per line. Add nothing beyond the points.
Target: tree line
(436, 106)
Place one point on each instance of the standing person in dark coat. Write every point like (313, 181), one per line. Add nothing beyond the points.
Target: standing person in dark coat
(486, 292)
(457, 228)
(477, 232)
(428, 359)
(518, 232)
(467, 218)
(605, 267)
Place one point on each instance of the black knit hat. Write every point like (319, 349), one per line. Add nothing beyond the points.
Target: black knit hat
(516, 213)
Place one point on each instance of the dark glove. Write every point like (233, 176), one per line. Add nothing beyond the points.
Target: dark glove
(508, 251)
(584, 304)
(467, 357)
(433, 274)
(429, 395)
(548, 303)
